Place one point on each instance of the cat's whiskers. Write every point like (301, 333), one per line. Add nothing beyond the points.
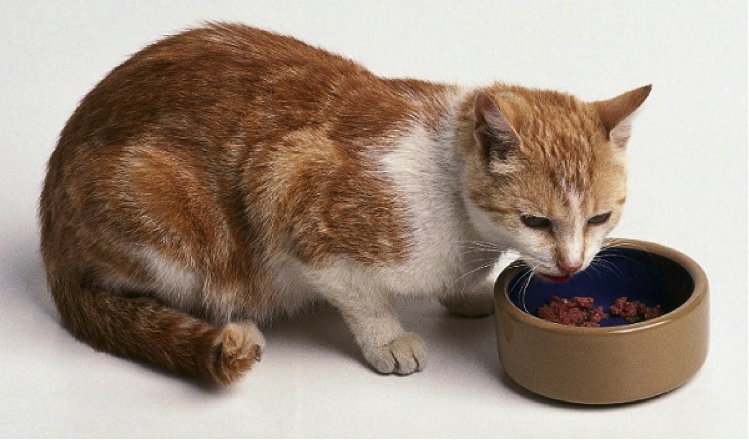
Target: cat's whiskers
(599, 263)
(524, 278)
(482, 245)
(493, 253)
(485, 264)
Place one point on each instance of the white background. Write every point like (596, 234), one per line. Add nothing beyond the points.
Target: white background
(688, 190)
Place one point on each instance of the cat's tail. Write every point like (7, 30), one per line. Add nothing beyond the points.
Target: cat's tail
(143, 329)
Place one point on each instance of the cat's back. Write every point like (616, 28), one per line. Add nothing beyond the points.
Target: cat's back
(212, 79)
(196, 125)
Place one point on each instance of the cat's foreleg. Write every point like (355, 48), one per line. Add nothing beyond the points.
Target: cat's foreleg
(477, 303)
(376, 328)
(472, 295)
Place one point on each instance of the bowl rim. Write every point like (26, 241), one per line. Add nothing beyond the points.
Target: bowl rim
(694, 270)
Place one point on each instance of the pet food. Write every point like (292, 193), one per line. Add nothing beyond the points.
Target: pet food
(578, 311)
(634, 311)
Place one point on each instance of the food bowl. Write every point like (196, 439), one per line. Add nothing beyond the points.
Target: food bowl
(617, 362)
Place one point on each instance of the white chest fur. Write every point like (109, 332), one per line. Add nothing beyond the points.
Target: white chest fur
(446, 253)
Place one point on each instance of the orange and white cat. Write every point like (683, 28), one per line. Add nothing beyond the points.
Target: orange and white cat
(226, 175)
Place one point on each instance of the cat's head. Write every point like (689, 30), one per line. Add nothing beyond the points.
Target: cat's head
(545, 173)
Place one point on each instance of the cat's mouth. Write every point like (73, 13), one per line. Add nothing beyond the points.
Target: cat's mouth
(556, 279)
(557, 275)
(553, 273)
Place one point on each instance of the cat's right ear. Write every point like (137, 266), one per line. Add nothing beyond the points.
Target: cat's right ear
(616, 113)
(496, 137)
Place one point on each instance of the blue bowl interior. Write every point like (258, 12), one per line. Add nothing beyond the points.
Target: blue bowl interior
(636, 274)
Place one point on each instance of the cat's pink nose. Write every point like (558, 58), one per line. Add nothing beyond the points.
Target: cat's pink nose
(570, 266)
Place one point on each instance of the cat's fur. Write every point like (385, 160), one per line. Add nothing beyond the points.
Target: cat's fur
(227, 175)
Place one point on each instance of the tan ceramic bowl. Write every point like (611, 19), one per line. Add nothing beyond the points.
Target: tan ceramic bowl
(617, 362)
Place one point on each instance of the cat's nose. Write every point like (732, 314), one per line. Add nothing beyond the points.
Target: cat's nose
(570, 266)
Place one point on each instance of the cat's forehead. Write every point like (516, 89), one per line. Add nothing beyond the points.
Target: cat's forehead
(562, 138)
(558, 128)
(568, 186)
(566, 152)
(568, 158)
(528, 108)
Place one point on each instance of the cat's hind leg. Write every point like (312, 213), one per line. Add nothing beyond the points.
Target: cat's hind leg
(153, 308)
(146, 329)
(238, 347)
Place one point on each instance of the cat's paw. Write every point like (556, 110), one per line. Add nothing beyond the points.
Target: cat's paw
(476, 305)
(403, 355)
(238, 347)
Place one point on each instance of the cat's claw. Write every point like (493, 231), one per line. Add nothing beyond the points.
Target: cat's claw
(404, 355)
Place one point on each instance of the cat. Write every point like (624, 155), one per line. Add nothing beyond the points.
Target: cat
(227, 175)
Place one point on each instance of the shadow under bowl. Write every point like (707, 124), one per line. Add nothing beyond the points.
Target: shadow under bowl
(617, 362)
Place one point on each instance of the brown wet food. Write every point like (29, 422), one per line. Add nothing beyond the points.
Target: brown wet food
(579, 311)
(634, 311)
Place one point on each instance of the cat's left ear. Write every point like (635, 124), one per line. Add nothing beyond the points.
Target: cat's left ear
(492, 130)
(616, 113)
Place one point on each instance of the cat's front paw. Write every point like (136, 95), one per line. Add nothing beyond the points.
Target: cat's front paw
(405, 354)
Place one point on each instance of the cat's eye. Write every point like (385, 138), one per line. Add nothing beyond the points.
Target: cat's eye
(600, 218)
(535, 222)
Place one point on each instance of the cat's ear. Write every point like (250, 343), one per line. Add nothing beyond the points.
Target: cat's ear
(616, 114)
(493, 131)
